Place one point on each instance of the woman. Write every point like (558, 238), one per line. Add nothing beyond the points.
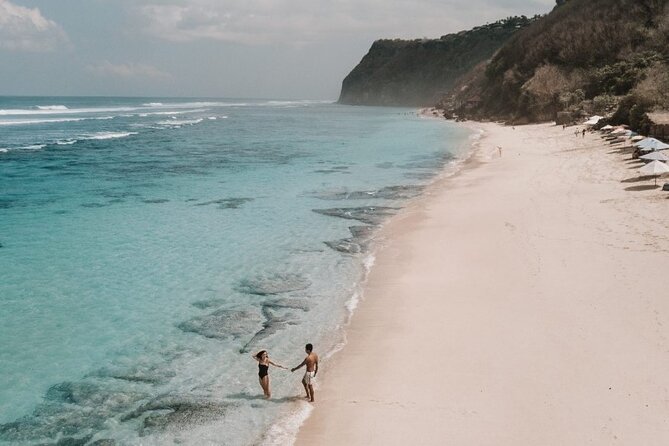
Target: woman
(263, 370)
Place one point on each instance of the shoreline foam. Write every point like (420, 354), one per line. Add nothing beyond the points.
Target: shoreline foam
(370, 399)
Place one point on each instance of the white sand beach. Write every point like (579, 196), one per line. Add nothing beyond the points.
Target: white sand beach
(523, 301)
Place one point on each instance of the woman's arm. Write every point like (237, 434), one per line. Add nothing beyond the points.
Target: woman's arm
(277, 365)
(256, 358)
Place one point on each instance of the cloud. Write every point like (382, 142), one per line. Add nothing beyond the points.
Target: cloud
(128, 70)
(306, 21)
(25, 29)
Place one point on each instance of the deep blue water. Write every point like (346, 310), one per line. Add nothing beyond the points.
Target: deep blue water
(148, 245)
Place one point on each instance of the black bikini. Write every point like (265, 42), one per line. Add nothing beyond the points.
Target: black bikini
(262, 370)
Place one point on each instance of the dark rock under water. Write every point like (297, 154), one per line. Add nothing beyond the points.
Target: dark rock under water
(273, 284)
(177, 412)
(273, 323)
(361, 232)
(71, 411)
(288, 303)
(103, 442)
(226, 203)
(346, 246)
(223, 324)
(148, 374)
(386, 193)
(208, 303)
(372, 215)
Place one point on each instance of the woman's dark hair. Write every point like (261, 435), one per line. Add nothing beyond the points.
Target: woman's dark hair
(259, 354)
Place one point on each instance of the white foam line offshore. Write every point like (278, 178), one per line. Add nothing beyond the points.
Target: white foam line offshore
(179, 122)
(33, 147)
(51, 107)
(66, 111)
(178, 105)
(175, 112)
(8, 122)
(107, 135)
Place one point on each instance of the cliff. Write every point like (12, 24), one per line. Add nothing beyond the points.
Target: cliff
(419, 72)
(585, 57)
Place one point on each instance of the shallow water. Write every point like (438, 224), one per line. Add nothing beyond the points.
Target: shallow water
(148, 245)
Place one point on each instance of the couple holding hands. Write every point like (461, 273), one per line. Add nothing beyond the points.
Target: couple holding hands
(311, 362)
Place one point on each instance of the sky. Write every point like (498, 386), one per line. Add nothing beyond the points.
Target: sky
(279, 49)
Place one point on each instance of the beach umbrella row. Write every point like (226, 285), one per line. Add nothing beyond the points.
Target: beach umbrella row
(655, 168)
(651, 145)
(655, 156)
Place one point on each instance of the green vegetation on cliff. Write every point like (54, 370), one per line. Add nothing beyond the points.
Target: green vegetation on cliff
(419, 72)
(586, 56)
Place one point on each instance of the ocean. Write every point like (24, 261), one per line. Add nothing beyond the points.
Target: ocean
(149, 246)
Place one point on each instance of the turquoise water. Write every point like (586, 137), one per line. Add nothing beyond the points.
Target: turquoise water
(148, 245)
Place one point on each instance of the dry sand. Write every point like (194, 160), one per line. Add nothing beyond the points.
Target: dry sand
(524, 301)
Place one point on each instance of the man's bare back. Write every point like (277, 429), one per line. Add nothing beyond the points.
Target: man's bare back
(311, 362)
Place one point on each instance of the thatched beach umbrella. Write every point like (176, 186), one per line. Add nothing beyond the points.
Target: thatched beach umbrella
(655, 168)
(655, 156)
(651, 145)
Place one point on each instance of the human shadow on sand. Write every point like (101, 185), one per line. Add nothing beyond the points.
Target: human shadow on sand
(258, 397)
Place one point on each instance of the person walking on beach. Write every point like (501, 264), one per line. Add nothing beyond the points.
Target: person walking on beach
(311, 361)
(263, 371)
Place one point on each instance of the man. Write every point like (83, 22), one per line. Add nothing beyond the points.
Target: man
(311, 361)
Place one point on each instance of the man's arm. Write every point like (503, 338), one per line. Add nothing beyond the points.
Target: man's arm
(302, 364)
(316, 366)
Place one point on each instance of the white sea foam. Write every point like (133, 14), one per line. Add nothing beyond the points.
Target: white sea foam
(179, 122)
(33, 147)
(153, 104)
(51, 107)
(4, 150)
(65, 111)
(285, 430)
(175, 112)
(66, 142)
(108, 135)
(37, 121)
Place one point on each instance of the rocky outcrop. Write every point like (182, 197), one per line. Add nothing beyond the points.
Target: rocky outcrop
(419, 72)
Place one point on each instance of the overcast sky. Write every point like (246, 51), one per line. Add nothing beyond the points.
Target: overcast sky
(298, 49)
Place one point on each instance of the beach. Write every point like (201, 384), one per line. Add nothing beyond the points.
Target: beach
(522, 300)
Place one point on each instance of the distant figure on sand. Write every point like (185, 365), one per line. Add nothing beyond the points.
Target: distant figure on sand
(499, 148)
(311, 361)
(263, 371)
(583, 133)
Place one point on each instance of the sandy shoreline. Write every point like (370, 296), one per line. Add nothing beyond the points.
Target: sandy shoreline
(522, 301)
